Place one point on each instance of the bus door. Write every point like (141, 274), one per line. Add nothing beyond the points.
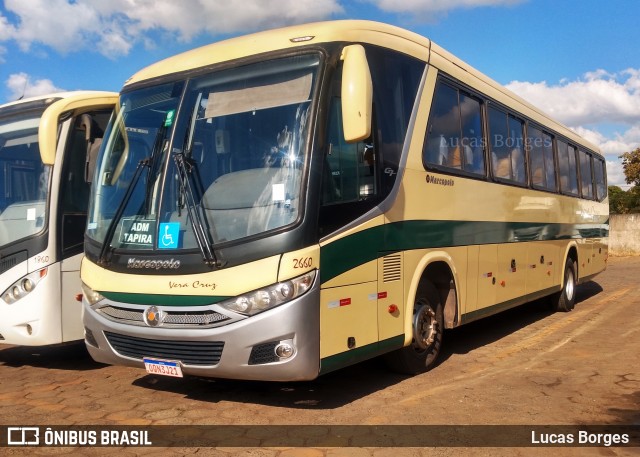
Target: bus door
(84, 136)
(349, 295)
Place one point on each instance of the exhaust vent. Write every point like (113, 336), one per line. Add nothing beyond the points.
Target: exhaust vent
(392, 267)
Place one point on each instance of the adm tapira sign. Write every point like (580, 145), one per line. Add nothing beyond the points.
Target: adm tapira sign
(137, 232)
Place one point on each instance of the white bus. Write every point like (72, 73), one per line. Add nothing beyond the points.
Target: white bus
(48, 146)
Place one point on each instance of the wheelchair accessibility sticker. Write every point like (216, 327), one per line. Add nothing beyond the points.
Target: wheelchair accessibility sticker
(168, 235)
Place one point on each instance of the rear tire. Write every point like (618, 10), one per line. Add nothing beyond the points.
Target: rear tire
(428, 328)
(565, 300)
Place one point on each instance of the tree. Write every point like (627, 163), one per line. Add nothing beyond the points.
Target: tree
(617, 200)
(631, 166)
(621, 202)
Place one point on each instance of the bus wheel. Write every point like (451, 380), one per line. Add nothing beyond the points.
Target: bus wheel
(428, 327)
(565, 300)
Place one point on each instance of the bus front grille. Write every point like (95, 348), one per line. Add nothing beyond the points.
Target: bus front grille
(187, 352)
(171, 319)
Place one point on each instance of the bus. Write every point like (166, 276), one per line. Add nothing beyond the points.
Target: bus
(48, 145)
(280, 205)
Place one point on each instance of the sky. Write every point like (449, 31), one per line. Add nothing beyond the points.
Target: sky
(578, 60)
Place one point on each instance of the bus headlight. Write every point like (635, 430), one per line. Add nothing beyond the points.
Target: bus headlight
(91, 295)
(271, 296)
(23, 286)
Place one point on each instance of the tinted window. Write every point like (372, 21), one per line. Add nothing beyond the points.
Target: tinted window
(567, 167)
(516, 146)
(472, 141)
(454, 138)
(351, 166)
(585, 175)
(357, 176)
(541, 158)
(396, 78)
(24, 188)
(444, 128)
(507, 146)
(600, 173)
(549, 163)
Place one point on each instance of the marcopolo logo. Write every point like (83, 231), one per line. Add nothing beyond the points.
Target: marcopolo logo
(440, 181)
(161, 264)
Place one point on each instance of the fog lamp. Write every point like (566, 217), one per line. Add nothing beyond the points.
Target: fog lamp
(284, 350)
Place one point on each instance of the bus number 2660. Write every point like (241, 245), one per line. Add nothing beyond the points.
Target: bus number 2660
(304, 262)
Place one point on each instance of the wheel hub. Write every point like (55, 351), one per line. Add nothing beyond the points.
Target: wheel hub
(425, 327)
(570, 286)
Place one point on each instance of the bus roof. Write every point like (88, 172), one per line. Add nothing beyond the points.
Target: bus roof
(79, 102)
(53, 96)
(349, 31)
(270, 40)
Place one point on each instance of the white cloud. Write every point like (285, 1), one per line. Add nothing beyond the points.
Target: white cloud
(597, 97)
(56, 23)
(590, 105)
(22, 85)
(614, 145)
(424, 8)
(115, 26)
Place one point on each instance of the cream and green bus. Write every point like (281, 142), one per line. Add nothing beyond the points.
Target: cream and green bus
(283, 204)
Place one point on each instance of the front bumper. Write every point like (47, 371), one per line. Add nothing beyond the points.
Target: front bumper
(227, 351)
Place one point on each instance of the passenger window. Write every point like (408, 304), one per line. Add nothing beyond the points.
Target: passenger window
(600, 178)
(507, 146)
(454, 135)
(568, 169)
(444, 128)
(543, 175)
(549, 163)
(472, 140)
(585, 175)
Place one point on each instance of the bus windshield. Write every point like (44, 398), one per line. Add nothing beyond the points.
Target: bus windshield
(207, 160)
(25, 179)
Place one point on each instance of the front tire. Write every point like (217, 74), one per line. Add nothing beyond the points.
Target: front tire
(428, 328)
(565, 300)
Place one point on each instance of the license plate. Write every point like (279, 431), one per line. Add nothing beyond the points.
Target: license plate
(163, 367)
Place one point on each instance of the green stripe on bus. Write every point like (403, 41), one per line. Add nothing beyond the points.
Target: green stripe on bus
(349, 252)
(360, 354)
(499, 307)
(166, 300)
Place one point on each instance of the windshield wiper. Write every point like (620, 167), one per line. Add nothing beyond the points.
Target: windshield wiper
(201, 231)
(151, 163)
(102, 260)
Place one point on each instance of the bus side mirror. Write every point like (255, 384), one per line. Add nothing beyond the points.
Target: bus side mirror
(357, 94)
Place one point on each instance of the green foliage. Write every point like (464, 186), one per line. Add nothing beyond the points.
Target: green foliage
(623, 202)
(631, 166)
